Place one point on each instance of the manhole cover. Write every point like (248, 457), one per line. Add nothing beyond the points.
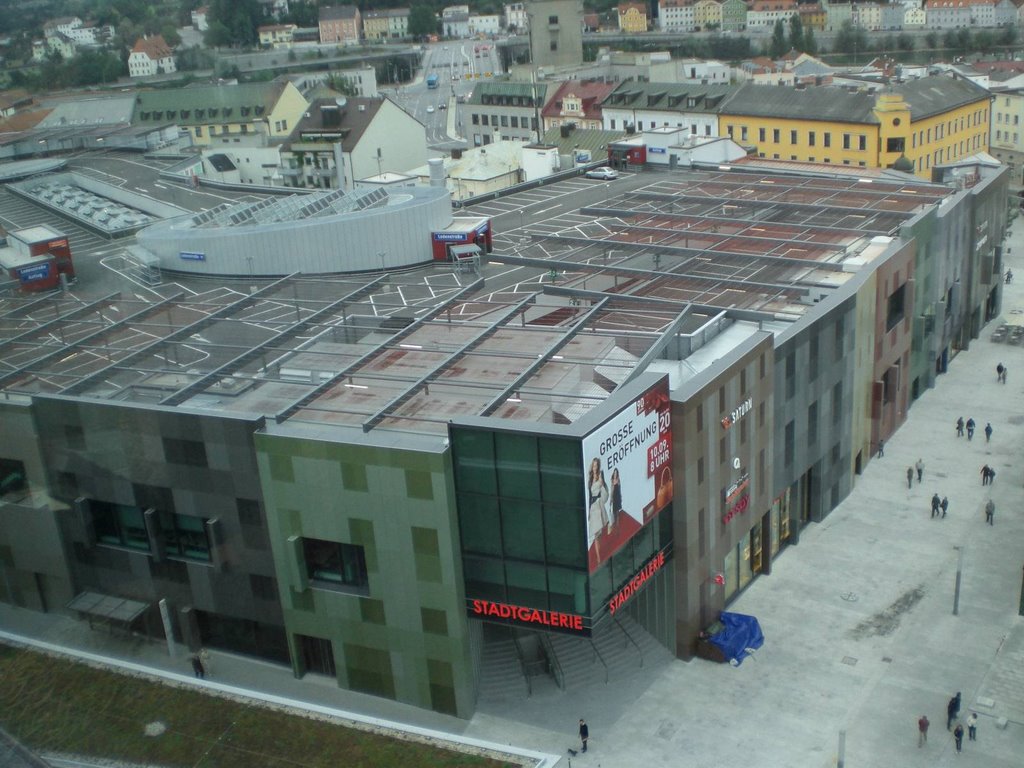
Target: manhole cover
(887, 659)
(155, 728)
(849, 661)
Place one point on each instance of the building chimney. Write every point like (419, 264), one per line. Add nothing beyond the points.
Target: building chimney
(436, 166)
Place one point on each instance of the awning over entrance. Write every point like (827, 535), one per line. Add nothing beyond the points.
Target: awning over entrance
(108, 608)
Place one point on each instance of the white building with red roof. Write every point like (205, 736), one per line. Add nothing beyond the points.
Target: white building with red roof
(151, 56)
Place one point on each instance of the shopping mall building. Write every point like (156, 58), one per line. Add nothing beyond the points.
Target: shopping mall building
(325, 475)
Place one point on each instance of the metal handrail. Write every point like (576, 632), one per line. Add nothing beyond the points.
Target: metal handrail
(556, 668)
(522, 663)
(629, 639)
(601, 659)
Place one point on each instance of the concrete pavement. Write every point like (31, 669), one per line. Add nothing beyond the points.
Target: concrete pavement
(858, 620)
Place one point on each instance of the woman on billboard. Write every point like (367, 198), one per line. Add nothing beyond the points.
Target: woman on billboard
(598, 517)
(616, 499)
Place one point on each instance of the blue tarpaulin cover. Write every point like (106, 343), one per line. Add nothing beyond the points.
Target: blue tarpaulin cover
(742, 634)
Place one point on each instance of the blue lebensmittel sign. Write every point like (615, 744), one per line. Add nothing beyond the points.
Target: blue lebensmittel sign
(656, 150)
(192, 256)
(34, 273)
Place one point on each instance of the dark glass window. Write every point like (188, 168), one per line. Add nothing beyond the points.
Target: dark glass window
(565, 535)
(474, 461)
(895, 313)
(561, 471)
(12, 476)
(527, 583)
(485, 577)
(119, 524)
(335, 563)
(567, 590)
(479, 524)
(516, 457)
(522, 529)
(191, 453)
(185, 536)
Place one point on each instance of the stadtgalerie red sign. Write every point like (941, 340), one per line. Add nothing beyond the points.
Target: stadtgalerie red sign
(639, 579)
(554, 619)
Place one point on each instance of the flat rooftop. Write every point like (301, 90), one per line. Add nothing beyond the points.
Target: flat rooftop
(701, 259)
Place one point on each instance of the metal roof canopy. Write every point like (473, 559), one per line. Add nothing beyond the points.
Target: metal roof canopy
(418, 323)
(544, 357)
(880, 188)
(27, 306)
(62, 350)
(754, 315)
(426, 378)
(177, 398)
(659, 346)
(116, 610)
(801, 263)
(814, 207)
(59, 320)
(525, 261)
(601, 211)
(180, 333)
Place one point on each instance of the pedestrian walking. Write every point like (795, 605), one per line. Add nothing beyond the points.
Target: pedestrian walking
(999, 372)
(910, 477)
(958, 737)
(920, 469)
(584, 734)
(984, 474)
(952, 710)
(972, 727)
(990, 512)
(988, 431)
(197, 666)
(922, 730)
(1005, 369)
(944, 505)
(936, 503)
(881, 449)
(960, 427)
(1009, 275)
(970, 429)
(991, 475)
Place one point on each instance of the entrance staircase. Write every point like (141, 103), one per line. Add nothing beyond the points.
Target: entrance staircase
(518, 665)
(618, 649)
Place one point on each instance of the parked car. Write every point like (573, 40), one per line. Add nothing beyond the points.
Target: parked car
(443, 105)
(604, 172)
(430, 109)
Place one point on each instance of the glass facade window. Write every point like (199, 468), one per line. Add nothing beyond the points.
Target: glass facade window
(336, 564)
(523, 522)
(185, 536)
(119, 525)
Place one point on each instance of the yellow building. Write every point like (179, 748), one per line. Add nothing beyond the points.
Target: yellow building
(277, 35)
(375, 25)
(929, 122)
(707, 14)
(633, 17)
(249, 113)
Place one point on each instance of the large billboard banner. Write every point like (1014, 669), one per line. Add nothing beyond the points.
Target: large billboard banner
(627, 472)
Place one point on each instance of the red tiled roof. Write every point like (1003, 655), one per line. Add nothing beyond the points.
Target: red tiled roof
(590, 92)
(154, 47)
